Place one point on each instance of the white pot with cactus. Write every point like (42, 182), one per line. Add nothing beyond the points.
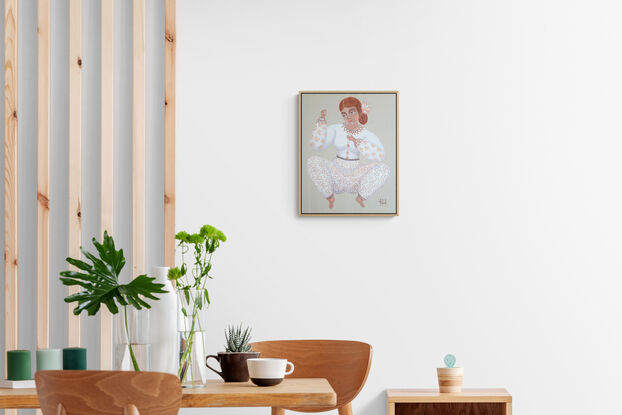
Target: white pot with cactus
(232, 361)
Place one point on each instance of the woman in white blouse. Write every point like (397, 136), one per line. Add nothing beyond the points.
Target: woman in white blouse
(345, 173)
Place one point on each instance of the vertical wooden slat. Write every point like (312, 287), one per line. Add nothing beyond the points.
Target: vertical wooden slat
(75, 158)
(170, 28)
(107, 160)
(10, 178)
(138, 139)
(43, 174)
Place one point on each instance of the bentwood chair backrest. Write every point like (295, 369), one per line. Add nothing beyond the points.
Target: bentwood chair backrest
(345, 364)
(102, 392)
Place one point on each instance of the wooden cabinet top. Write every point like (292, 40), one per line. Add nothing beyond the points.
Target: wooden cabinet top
(433, 395)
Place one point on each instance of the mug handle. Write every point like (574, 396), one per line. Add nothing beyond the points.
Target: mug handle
(211, 368)
(289, 372)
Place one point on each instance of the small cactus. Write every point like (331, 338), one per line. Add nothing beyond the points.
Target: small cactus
(237, 340)
(450, 360)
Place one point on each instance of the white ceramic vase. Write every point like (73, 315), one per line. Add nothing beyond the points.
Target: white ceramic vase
(163, 323)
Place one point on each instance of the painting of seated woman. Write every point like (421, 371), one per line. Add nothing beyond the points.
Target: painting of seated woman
(348, 153)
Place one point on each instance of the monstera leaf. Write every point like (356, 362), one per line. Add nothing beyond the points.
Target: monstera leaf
(99, 281)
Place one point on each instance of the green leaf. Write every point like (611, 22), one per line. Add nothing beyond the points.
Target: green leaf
(100, 281)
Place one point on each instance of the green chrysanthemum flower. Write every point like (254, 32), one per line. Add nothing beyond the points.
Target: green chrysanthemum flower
(210, 232)
(182, 236)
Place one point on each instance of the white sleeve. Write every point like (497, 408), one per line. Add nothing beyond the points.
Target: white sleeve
(371, 147)
(323, 135)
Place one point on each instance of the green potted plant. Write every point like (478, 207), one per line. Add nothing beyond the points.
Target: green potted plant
(99, 281)
(193, 300)
(232, 361)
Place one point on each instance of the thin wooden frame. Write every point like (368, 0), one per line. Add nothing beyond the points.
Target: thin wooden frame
(300, 144)
(170, 53)
(107, 162)
(75, 152)
(11, 267)
(43, 174)
(138, 140)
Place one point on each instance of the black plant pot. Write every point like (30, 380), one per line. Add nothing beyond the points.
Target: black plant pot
(232, 365)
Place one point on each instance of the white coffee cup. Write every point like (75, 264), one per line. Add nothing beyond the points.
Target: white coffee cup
(268, 372)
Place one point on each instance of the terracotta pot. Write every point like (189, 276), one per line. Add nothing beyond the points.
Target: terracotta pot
(450, 379)
(232, 365)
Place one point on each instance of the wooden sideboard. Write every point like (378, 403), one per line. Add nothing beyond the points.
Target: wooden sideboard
(432, 402)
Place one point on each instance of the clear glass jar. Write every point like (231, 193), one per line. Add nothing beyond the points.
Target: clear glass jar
(192, 308)
(132, 350)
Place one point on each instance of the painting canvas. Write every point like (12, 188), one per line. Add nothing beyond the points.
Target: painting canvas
(348, 158)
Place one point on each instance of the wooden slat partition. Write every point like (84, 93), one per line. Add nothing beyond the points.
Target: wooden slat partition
(10, 175)
(43, 174)
(170, 29)
(75, 156)
(74, 165)
(138, 140)
(10, 181)
(107, 161)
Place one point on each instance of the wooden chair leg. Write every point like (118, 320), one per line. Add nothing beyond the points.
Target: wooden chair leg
(130, 410)
(346, 409)
(278, 411)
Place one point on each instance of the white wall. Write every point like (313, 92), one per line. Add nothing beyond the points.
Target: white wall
(507, 248)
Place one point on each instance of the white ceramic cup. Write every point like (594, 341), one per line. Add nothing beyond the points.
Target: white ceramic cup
(268, 372)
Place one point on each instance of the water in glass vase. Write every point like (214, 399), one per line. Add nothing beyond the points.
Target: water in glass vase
(132, 327)
(192, 369)
(123, 357)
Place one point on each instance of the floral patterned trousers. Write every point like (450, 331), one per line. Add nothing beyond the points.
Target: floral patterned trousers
(346, 176)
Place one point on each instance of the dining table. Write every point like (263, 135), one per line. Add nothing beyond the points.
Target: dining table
(293, 392)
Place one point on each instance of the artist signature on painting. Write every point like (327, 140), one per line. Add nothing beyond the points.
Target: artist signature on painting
(382, 202)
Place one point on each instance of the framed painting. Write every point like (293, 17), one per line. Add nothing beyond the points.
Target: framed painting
(348, 153)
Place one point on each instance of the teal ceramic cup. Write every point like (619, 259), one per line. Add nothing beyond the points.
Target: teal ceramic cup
(18, 365)
(49, 359)
(74, 358)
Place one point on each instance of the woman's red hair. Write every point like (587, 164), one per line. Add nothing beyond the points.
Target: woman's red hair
(353, 102)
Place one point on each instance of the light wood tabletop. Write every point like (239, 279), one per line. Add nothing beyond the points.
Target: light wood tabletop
(216, 393)
(433, 395)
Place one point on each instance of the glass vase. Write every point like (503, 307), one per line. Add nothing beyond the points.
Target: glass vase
(191, 324)
(132, 350)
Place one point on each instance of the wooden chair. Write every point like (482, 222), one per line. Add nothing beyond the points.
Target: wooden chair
(344, 363)
(101, 392)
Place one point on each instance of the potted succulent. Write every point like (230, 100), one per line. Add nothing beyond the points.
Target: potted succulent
(237, 351)
(450, 377)
(100, 285)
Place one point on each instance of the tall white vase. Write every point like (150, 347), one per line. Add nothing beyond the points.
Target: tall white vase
(163, 321)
